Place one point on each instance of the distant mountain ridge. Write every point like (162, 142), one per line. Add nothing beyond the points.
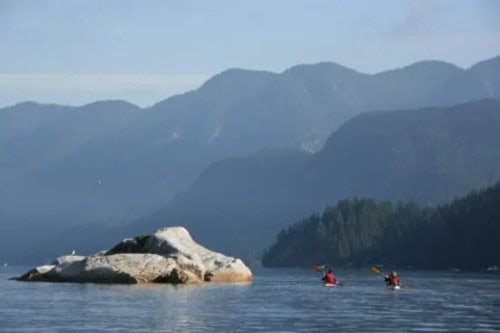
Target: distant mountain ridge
(452, 150)
(428, 156)
(112, 161)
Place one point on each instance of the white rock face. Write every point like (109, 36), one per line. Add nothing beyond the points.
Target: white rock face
(67, 259)
(212, 266)
(168, 256)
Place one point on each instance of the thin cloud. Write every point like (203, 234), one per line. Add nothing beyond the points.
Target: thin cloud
(420, 18)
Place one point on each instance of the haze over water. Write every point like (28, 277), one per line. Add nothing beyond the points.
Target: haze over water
(279, 300)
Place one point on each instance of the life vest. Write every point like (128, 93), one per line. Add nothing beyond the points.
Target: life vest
(393, 280)
(329, 278)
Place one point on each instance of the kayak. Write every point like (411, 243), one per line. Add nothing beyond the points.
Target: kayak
(330, 284)
(394, 287)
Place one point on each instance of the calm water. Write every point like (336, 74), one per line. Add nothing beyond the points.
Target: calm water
(277, 301)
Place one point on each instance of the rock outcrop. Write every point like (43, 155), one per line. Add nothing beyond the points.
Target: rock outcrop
(168, 256)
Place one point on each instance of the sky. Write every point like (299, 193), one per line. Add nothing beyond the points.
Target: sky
(77, 51)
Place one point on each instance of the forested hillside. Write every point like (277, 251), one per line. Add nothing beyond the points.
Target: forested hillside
(462, 234)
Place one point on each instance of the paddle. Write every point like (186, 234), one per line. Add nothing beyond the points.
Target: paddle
(317, 268)
(377, 271)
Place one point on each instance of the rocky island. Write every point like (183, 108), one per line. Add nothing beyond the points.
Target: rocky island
(169, 255)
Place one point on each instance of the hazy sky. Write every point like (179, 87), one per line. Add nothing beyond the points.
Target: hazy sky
(77, 51)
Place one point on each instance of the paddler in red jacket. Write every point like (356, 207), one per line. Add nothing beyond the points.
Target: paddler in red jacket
(392, 279)
(329, 278)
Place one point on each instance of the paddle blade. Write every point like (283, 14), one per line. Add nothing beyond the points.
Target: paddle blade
(317, 268)
(375, 270)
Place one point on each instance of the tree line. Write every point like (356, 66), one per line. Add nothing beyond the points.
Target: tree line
(462, 234)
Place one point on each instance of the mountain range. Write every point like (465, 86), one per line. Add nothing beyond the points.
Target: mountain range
(428, 156)
(111, 162)
(238, 205)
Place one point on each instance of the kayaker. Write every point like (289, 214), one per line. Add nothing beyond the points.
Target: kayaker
(329, 278)
(392, 279)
